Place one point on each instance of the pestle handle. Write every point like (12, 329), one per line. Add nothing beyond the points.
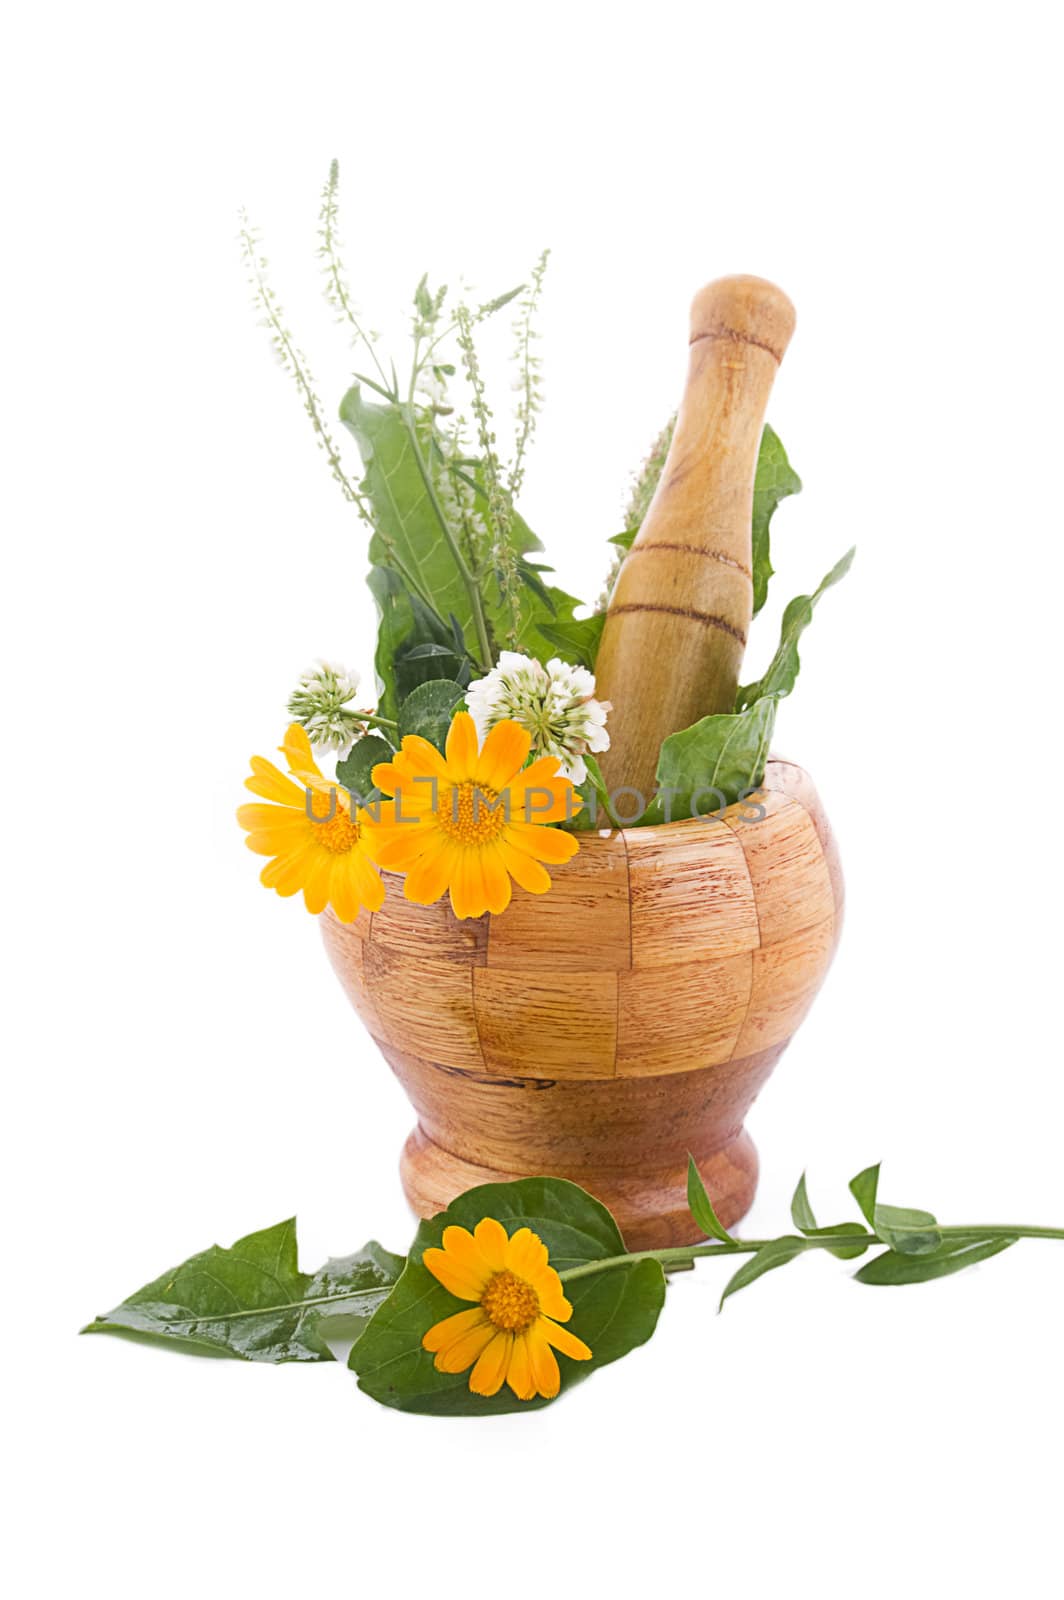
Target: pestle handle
(680, 611)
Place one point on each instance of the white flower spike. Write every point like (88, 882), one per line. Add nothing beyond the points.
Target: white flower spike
(556, 703)
(321, 702)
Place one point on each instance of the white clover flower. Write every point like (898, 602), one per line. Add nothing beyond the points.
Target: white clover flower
(556, 703)
(321, 703)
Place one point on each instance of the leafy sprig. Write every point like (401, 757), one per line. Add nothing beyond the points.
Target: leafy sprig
(252, 1302)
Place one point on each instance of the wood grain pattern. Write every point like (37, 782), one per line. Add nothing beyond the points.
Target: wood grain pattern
(547, 1024)
(691, 893)
(680, 610)
(583, 925)
(699, 1023)
(602, 1030)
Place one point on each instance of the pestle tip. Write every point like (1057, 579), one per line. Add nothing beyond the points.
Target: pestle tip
(747, 309)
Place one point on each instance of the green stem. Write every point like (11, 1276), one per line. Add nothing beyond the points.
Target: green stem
(375, 721)
(686, 1254)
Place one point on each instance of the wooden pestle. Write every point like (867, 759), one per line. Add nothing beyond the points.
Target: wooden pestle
(680, 610)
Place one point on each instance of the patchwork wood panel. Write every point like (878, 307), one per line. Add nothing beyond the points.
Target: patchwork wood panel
(546, 1024)
(582, 924)
(786, 977)
(419, 931)
(425, 1005)
(786, 777)
(785, 860)
(657, 951)
(680, 1018)
(691, 894)
(347, 953)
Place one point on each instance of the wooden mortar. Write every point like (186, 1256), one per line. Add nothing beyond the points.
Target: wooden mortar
(680, 610)
(601, 1031)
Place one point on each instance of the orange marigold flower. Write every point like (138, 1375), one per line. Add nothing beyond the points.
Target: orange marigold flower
(508, 1335)
(329, 859)
(472, 819)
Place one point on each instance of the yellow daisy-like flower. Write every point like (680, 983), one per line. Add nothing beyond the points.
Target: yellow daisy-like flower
(508, 1335)
(472, 819)
(330, 859)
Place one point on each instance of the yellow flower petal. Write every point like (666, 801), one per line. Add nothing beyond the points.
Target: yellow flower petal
(297, 751)
(496, 881)
(444, 1333)
(542, 844)
(367, 882)
(255, 816)
(462, 748)
(491, 1241)
(489, 1374)
(545, 1374)
(457, 1277)
(563, 1340)
(548, 1286)
(504, 753)
(342, 896)
(286, 873)
(419, 758)
(316, 883)
(430, 874)
(527, 873)
(467, 884)
(519, 1376)
(526, 1253)
(269, 782)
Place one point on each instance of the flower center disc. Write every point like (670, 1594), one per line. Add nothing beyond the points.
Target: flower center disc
(472, 813)
(510, 1303)
(338, 835)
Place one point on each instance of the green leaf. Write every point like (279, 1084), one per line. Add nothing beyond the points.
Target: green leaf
(864, 1189)
(912, 1233)
(801, 1211)
(776, 1253)
(252, 1302)
(804, 1220)
(783, 669)
(953, 1256)
(719, 760)
(408, 539)
(774, 481)
(355, 771)
(428, 710)
(862, 1239)
(701, 1206)
(413, 645)
(577, 639)
(410, 542)
(613, 1311)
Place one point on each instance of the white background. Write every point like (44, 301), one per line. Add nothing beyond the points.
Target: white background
(182, 1066)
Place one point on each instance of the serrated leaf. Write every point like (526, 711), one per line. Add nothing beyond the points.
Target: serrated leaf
(776, 1253)
(864, 1189)
(429, 709)
(613, 1311)
(893, 1268)
(774, 480)
(782, 673)
(912, 1233)
(356, 769)
(801, 1211)
(251, 1301)
(701, 1206)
